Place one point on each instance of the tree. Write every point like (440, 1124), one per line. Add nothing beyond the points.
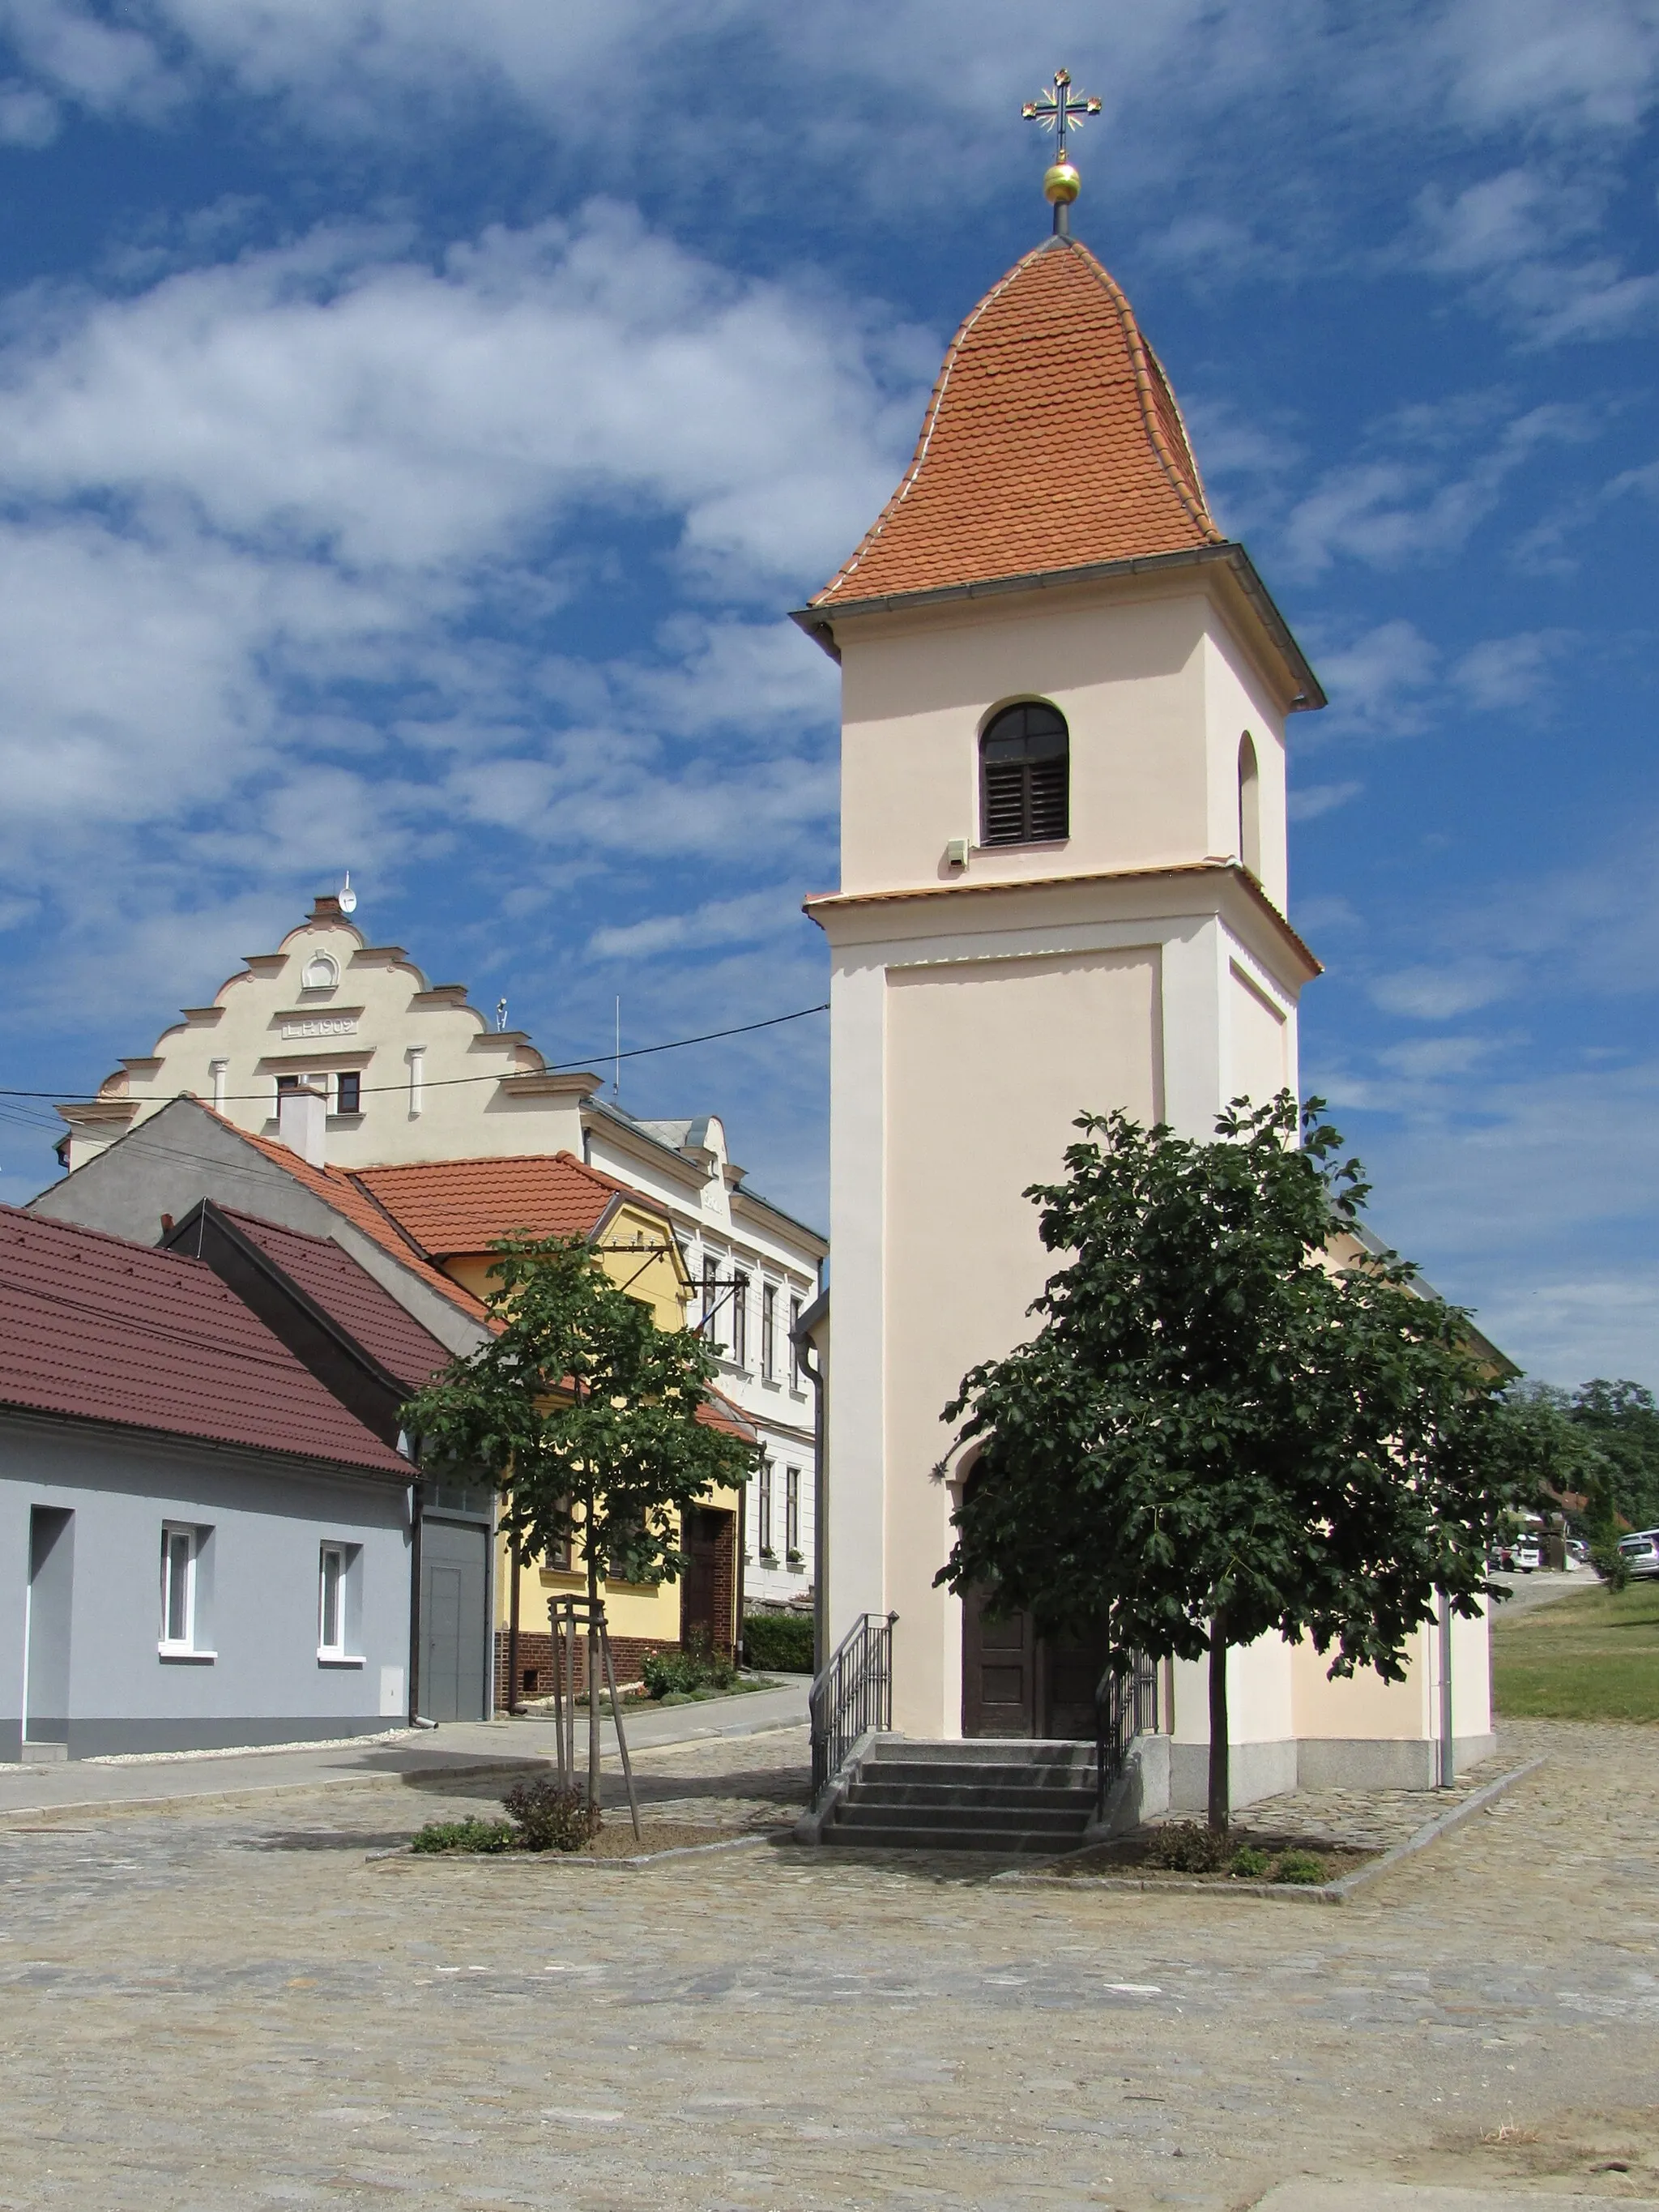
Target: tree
(587, 1417)
(1216, 1431)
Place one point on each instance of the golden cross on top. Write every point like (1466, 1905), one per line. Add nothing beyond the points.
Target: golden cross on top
(1060, 110)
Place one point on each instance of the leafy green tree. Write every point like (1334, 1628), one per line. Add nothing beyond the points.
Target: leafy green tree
(1216, 1433)
(586, 1416)
(1622, 1422)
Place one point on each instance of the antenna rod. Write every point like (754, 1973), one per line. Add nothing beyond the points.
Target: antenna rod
(615, 1081)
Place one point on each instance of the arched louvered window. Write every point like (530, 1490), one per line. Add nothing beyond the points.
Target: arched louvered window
(1026, 770)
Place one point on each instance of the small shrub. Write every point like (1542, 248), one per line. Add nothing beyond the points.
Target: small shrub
(549, 1817)
(1300, 1867)
(693, 1667)
(1611, 1563)
(1188, 1847)
(1248, 1864)
(465, 1836)
(779, 1643)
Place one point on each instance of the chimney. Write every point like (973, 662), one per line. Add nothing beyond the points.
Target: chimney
(302, 1123)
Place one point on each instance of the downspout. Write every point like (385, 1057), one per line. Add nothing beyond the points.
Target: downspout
(512, 1674)
(1448, 1741)
(737, 1652)
(820, 1511)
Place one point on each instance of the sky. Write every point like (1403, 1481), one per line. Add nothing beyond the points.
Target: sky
(417, 420)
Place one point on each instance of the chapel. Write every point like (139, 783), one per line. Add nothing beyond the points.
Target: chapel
(1064, 886)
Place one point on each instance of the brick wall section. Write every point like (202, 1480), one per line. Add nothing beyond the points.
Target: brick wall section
(628, 1657)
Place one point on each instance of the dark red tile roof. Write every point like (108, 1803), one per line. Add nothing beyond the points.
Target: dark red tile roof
(449, 1208)
(349, 1295)
(100, 1329)
(1052, 441)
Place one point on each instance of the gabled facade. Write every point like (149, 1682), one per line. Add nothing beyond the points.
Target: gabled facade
(412, 1075)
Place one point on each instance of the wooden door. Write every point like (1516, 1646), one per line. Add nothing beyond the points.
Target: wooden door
(998, 1673)
(706, 1587)
(1068, 1673)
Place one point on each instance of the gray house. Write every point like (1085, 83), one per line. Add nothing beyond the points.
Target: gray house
(210, 1531)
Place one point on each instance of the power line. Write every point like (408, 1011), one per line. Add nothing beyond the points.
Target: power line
(448, 1082)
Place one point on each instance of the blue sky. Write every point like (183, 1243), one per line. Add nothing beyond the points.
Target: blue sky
(415, 420)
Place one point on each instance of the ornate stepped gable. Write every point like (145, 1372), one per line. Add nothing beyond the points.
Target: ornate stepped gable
(1052, 442)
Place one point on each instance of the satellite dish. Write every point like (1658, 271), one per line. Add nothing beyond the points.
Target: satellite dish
(348, 897)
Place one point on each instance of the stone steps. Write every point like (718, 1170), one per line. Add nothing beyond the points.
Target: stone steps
(1005, 1795)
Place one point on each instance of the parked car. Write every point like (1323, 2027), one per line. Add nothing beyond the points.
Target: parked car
(1524, 1555)
(1642, 1551)
(1577, 1553)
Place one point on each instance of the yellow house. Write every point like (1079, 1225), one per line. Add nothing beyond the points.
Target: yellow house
(452, 1211)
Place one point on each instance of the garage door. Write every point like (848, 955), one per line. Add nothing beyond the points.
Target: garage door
(454, 1621)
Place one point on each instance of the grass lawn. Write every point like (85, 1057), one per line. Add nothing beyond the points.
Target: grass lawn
(1590, 1658)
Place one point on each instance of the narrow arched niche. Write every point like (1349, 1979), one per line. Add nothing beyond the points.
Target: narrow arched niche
(1249, 807)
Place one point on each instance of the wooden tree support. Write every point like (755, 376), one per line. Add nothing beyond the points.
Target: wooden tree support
(565, 1616)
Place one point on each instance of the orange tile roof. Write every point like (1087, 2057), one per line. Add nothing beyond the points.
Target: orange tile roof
(1052, 441)
(338, 1189)
(451, 1206)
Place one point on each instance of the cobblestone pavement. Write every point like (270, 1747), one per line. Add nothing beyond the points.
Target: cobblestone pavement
(225, 2006)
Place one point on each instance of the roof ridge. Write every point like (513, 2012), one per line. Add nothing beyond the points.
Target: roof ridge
(1139, 355)
(929, 421)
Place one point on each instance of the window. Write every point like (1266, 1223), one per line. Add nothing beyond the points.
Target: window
(339, 1609)
(183, 1592)
(1249, 807)
(740, 1321)
(769, 1333)
(287, 1084)
(330, 1603)
(791, 1512)
(711, 1277)
(763, 1510)
(350, 1097)
(795, 1347)
(1025, 776)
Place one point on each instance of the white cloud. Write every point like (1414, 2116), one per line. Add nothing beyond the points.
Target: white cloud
(1509, 671)
(753, 917)
(1377, 679)
(251, 481)
(1307, 802)
(1436, 993)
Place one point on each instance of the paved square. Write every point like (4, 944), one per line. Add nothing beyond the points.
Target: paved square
(231, 2006)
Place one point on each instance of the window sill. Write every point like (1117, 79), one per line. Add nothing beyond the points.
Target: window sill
(185, 1654)
(1021, 845)
(339, 1659)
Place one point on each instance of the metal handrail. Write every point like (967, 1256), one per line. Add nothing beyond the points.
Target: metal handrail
(853, 1694)
(1126, 1706)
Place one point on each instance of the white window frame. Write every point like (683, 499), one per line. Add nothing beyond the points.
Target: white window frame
(769, 1332)
(763, 1511)
(330, 1646)
(181, 1537)
(740, 1350)
(336, 1652)
(795, 1369)
(792, 1550)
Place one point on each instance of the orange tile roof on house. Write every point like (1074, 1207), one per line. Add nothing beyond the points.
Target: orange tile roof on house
(1052, 442)
(448, 1207)
(338, 1189)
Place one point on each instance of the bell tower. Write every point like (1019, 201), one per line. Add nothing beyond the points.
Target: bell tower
(1062, 874)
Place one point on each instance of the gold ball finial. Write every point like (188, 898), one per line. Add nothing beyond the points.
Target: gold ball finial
(1061, 183)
